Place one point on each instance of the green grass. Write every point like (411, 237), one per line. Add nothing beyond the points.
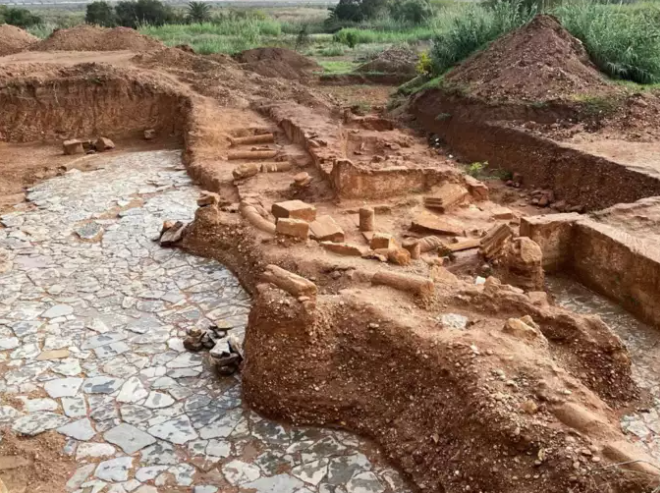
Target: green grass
(336, 66)
(622, 40)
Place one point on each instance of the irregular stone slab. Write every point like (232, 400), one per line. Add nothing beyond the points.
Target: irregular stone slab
(89, 231)
(58, 311)
(135, 414)
(80, 430)
(103, 340)
(222, 427)
(26, 327)
(183, 474)
(69, 367)
(218, 448)
(102, 385)
(160, 453)
(365, 482)
(8, 414)
(129, 438)
(132, 391)
(343, 469)
(158, 400)
(54, 354)
(149, 473)
(205, 489)
(114, 469)
(36, 423)
(94, 450)
(36, 405)
(8, 343)
(312, 472)
(63, 387)
(282, 483)
(80, 476)
(185, 360)
(238, 472)
(178, 430)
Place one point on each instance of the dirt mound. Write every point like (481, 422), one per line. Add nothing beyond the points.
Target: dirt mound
(394, 60)
(90, 38)
(538, 62)
(278, 62)
(13, 39)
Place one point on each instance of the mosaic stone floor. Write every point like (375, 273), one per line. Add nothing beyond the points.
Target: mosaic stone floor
(92, 319)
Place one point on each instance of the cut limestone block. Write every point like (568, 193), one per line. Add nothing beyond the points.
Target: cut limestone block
(446, 197)
(208, 198)
(292, 283)
(381, 241)
(344, 248)
(294, 209)
(429, 223)
(492, 245)
(326, 229)
(149, 134)
(73, 146)
(478, 190)
(293, 227)
(103, 144)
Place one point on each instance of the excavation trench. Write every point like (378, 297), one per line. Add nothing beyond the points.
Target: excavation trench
(94, 314)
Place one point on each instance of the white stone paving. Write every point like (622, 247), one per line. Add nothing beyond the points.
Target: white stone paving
(92, 318)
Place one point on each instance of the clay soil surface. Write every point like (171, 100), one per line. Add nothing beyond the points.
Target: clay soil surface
(14, 39)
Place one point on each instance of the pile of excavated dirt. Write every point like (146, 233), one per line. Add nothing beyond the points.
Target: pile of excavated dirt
(13, 39)
(278, 62)
(395, 60)
(91, 38)
(538, 62)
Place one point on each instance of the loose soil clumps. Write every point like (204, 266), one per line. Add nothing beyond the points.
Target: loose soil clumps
(394, 61)
(14, 39)
(278, 62)
(91, 38)
(539, 62)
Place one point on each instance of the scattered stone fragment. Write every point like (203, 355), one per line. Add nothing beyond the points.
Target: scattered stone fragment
(89, 231)
(478, 189)
(149, 134)
(103, 144)
(344, 248)
(454, 321)
(494, 243)
(301, 180)
(208, 198)
(245, 171)
(172, 235)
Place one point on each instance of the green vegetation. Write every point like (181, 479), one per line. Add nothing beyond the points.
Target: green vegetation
(18, 17)
(623, 40)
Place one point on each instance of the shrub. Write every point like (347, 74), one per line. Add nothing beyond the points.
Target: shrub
(152, 12)
(410, 11)
(424, 64)
(199, 12)
(18, 17)
(622, 40)
(356, 10)
(101, 14)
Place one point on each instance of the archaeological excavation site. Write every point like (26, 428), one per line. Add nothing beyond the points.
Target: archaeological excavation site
(217, 276)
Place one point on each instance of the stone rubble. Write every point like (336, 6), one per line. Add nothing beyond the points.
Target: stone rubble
(100, 328)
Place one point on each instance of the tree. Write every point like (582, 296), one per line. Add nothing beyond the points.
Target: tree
(18, 17)
(410, 11)
(199, 12)
(135, 14)
(100, 13)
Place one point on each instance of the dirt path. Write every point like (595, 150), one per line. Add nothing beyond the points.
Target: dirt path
(92, 319)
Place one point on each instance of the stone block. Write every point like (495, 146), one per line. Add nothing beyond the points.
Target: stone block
(381, 241)
(343, 248)
(324, 228)
(73, 146)
(292, 227)
(103, 144)
(446, 197)
(294, 209)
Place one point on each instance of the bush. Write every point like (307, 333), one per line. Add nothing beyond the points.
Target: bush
(18, 17)
(623, 41)
(151, 12)
(410, 11)
(356, 10)
(101, 14)
(473, 28)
